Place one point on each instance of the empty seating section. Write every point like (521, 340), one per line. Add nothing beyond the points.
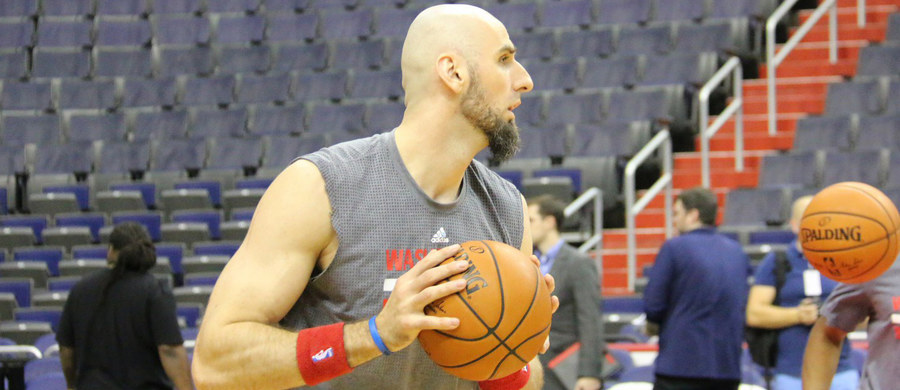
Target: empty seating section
(177, 114)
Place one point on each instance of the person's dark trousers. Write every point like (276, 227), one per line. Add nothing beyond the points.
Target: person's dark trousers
(664, 382)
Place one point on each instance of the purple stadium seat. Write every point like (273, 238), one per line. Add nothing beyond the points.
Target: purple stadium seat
(94, 94)
(863, 97)
(218, 123)
(755, 207)
(376, 84)
(35, 129)
(610, 72)
(324, 118)
(862, 166)
(13, 63)
(240, 29)
(575, 108)
(216, 90)
(234, 153)
(61, 62)
(232, 5)
(263, 89)
(123, 32)
(28, 95)
(149, 93)
(62, 158)
(123, 61)
(121, 7)
(177, 6)
(879, 61)
(339, 24)
(877, 132)
(305, 56)
(67, 7)
(49, 255)
(624, 11)
(644, 40)
(790, 170)
(94, 221)
(394, 22)
(152, 220)
(61, 33)
(688, 69)
(567, 13)
(181, 30)
(186, 61)
(124, 157)
(212, 219)
(160, 125)
(291, 27)
(674, 10)
(243, 59)
(586, 43)
(271, 120)
(16, 34)
(319, 86)
(554, 76)
(281, 150)
(383, 116)
(179, 155)
(18, 8)
(92, 127)
(357, 55)
(515, 16)
(535, 45)
(814, 133)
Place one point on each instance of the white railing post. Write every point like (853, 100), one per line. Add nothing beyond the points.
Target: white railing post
(663, 141)
(774, 59)
(593, 196)
(735, 108)
(861, 13)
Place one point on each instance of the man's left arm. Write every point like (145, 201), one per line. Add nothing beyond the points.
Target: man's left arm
(67, 359)
(589, 323)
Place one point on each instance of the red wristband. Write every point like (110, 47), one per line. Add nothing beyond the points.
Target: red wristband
(320, 353)
(514, 381)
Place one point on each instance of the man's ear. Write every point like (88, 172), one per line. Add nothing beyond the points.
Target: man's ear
(452, 72)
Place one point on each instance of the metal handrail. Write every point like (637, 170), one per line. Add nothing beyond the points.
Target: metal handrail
(660, 140)
(773, 59)
(735, 108)
(861, 13)
(29, 350)
(593, 196)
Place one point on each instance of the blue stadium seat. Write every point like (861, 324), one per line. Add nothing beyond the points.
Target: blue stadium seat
(356, 55)
(212, 187)
(174, 252)
(83, 94)
(540, 143)
(291, 27)
(877, 132)
(567, 13)
(67, 7)
(893, 33)
(17, 33)
(650, 103)
(218, 123)
(248, 6)
(92, 127)
(212, 219)
(147, 190)
(211, 91)
(535, 45)
(122, 7)
(755, 207)
(383, 116)
(675, 10)
(272, 120)
(234, 153)
(814, 133)
(35, 129)
(634, 40)
(185, 60)
(272, 88)
(122, 62)
(253, 183)
(320, 86)
(80, 190)
(240, 29)
(39, 367)
(862, 166)
(863, 97)
(36, 223)
(42, 314)
(624, 11)
(243, 59)
(49, 255)
(44, 342)
(90, 252)
(312, 56)
(62, 284)
(554, 76)
(177, 6)
(739, 9)
(223, 248)
(287, 5)
(63, 62)
(574, 108)
(614, 72)
(325, 118)
(241, 215)
(879, 61)
(179, 155)
(376, 84)
(515, 16)
(18, 8)
(124, 157)
(117, 32)
(152, 220)
(26, 95)
(610, 139)
(64, 33)
(190, 313)
(13, 63)
(394, 22)
(342, 24)
(720, 36)
(181, 30)
(800, 169)
(149, 93)
(281, 150)
(160, 125)
(685, 69)
(20, 287)
(94, 221)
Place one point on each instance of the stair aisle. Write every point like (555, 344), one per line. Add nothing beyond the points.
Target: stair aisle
(802, 83)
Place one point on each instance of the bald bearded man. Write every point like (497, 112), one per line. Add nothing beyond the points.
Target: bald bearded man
(343, 252)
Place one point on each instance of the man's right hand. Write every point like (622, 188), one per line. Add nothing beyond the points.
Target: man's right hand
(807, 312)
(403, 316)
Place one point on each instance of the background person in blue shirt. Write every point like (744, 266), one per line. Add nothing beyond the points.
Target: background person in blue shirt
(697, 294)
(794, 314)
(578, 317)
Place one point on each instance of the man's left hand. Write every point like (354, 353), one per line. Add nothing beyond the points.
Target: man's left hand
(588, 383)
(554, 301)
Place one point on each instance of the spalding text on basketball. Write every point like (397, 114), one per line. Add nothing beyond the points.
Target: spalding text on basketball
(474, 281)
(847, 233)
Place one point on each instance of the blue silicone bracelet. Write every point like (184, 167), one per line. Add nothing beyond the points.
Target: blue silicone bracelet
(373, 330)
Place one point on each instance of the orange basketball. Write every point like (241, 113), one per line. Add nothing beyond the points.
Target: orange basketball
(849, 232)
(504, 314)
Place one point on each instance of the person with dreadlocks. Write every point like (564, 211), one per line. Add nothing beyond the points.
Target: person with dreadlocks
(118, 328)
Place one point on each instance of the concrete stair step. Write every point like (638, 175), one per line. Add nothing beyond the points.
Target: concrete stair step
(801, 68)
(875, 13)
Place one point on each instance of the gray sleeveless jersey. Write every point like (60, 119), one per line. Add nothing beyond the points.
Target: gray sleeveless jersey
(385, 223)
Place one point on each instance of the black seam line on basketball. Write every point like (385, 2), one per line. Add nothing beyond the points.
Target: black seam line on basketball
(490, 330)
(895, 223)
(860, 246)
(516, 348)
(513, 331)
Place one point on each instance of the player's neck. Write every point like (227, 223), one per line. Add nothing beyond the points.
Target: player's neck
(436, 154)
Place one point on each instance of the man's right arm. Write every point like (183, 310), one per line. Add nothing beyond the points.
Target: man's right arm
(823, 351)
(762, 313)
(240, 345)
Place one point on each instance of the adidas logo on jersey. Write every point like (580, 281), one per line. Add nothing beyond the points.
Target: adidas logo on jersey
(440, 237)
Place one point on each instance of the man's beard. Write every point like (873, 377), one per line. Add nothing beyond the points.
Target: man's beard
(502, 135)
